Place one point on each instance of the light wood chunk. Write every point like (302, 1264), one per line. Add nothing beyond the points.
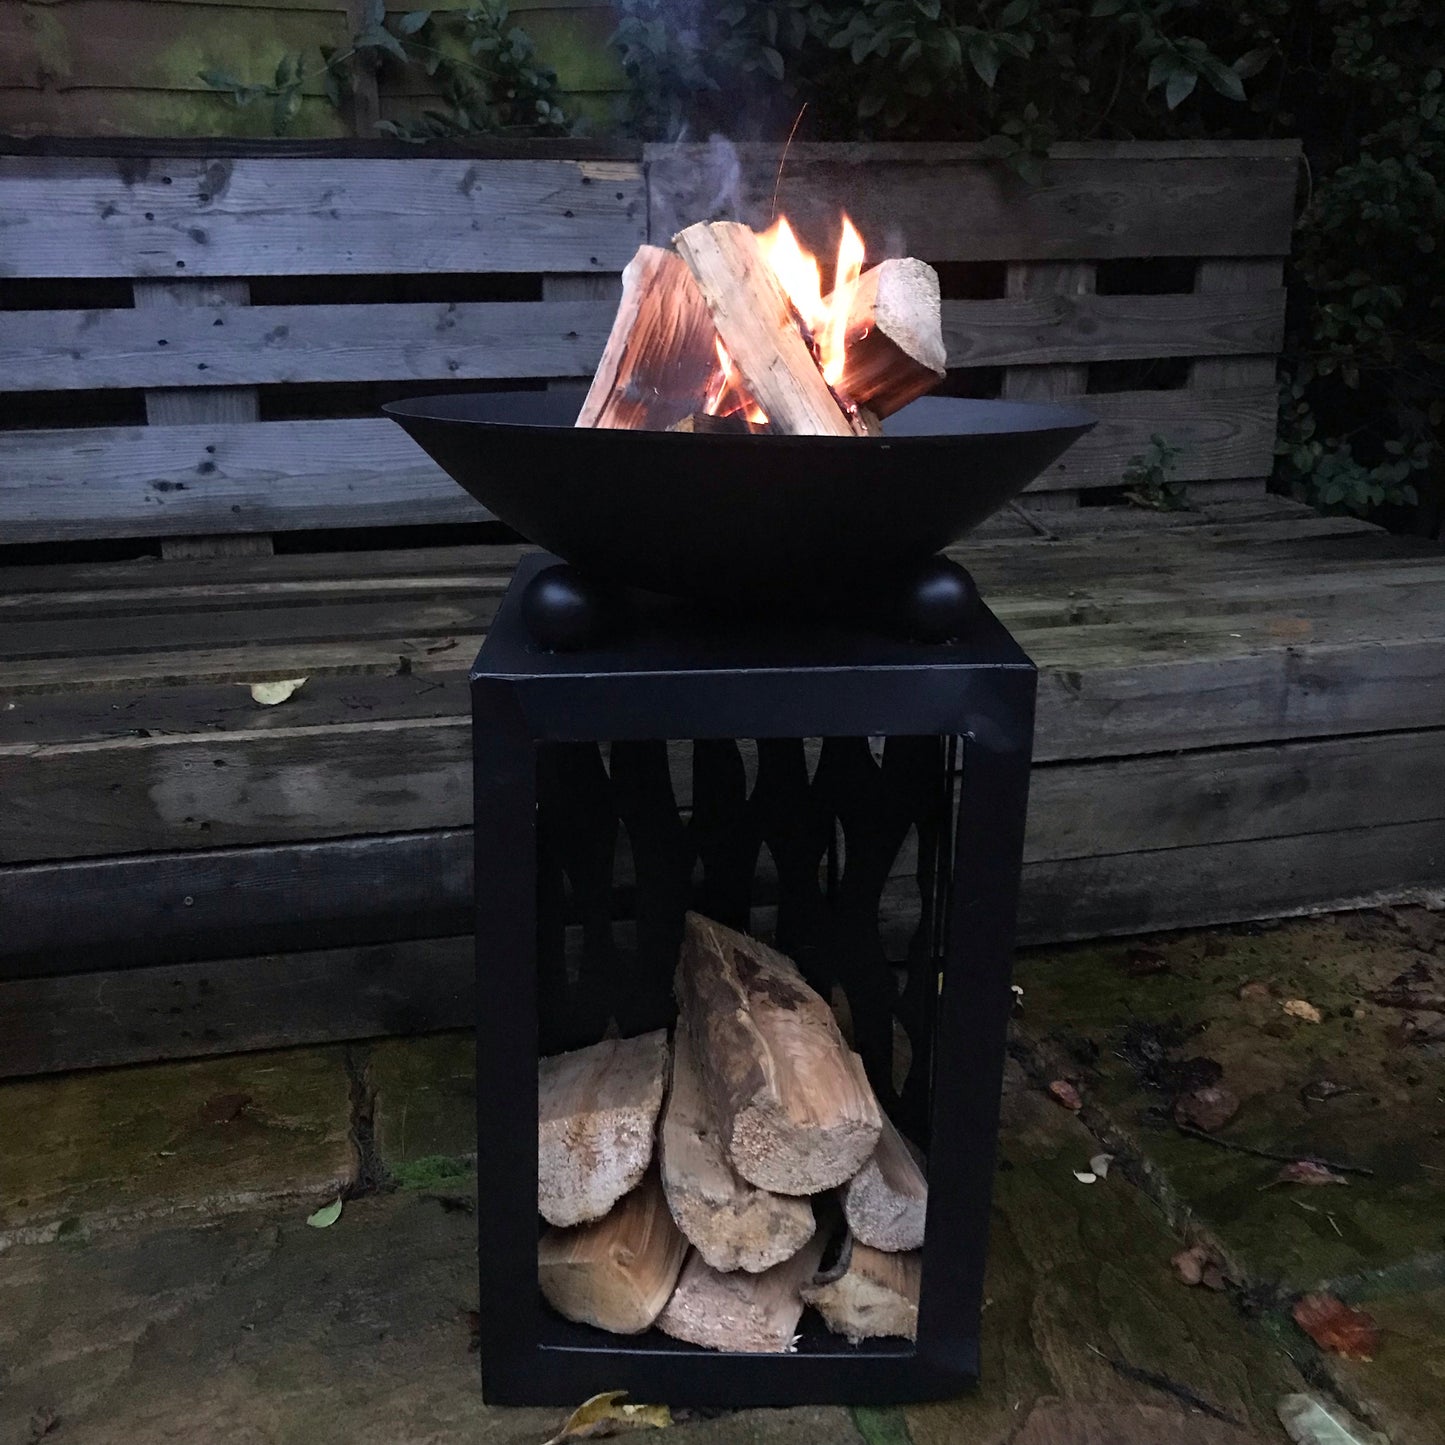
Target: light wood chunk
(869, 1294)
(757, 324)
(793, 1106)
(733, 1224)
(886, 1202)
(596, 1112)
(659, 355)
(756, 1313)
(617, 1272)
(894, 350)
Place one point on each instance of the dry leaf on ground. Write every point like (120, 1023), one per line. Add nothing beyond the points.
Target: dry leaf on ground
(1197, 1265)
(326, 1216)
(1308, 1420)
(1298, 1008)
(1307, 1171)
(1099, 1164)
(1337, 1328)
(606, 1414)
(268, 694)
(1207, 1109)
(1061, 1091)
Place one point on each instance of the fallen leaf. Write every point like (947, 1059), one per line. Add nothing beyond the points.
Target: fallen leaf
(326, 1216)
(1099, 1164)
(268, 694)
(1417, 988)
(1085, 1176)
(1061, 1091)
(1213, 1277)
(1307, 1171)
(1207, 1109)
(1298, 1008)
(1308, 1420)
(1253, 992)
(605, 1414)
(1321, 1090)
(1189, 1264)
(1336, 1328)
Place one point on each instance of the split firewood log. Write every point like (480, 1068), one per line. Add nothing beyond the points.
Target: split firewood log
(894, 350)
(756, 323)
(660, 352)
(758, 1313)
(869, 1293)
(617, 1272)
(792, 1103)
(886, 1201)
(733, 424)
(596, 1113)
(732, 1224)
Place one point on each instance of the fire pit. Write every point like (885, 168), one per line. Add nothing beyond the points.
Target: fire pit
(757, 1172)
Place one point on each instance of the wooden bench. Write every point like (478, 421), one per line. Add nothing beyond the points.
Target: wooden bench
(1241, 705)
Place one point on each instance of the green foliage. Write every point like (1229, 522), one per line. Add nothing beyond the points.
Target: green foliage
(1150, 481)
(1363, 396)
(433, 1171)
(485, 71)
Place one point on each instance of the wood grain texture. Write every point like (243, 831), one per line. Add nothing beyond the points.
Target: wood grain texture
(869, 1294)
(793, 1108)
(731, 1223)
(596, 1112)
(279, 345)
(886, 1202)
(1096, 202)
(756, 1313)
(1067, 281)
(562, 336)
(297, 217)
(616, 1273)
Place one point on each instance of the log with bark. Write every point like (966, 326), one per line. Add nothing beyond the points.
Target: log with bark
(617, 1272)
(758, 1313)
(886, 1201)
(869, 1293)
(660, 352)
(733, 1224)
(894, 350)
(757, 324)
(793, 1106)
(596, 1115)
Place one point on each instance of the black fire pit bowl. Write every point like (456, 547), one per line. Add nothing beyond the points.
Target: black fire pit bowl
(738, 518)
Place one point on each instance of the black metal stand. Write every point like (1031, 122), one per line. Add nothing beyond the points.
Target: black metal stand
(875, 830)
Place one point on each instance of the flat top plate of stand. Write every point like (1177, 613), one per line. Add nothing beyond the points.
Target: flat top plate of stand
(656, 635)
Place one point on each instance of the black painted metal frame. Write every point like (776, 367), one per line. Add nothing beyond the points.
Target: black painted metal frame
(679, 674)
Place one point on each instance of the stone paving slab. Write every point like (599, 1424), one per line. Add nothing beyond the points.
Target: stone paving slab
(424, 1093)
(1359, 1088)
(91, 1150)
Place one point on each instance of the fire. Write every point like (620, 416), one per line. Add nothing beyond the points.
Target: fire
(824, 318)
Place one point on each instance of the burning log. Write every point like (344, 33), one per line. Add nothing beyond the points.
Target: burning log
(734, 423)
(757, 324)
(733, 1224)
(596, 1110)
(659, 353)
(886, 1201)
(894, 351)
(868, 1293)
(794, 1109)
(758, 1313)
(617, 1272)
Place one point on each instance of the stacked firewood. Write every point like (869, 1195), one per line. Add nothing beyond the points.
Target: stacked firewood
(711, 335)
(680, 1179)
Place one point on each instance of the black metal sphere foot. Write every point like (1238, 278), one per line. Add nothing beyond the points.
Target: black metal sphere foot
(936, 601)
(565, 611)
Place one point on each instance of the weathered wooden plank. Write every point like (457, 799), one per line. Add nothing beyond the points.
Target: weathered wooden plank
(1095, 202)
(1221, 434)
(278, 476)
(1066, 281)
(1229, 883)
(180, 907)
(300, 216)
(263, 477)
(124, 1016)
(562, 336)
(1249, 278)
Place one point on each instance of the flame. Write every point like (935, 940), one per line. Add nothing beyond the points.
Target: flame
(823, 318)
